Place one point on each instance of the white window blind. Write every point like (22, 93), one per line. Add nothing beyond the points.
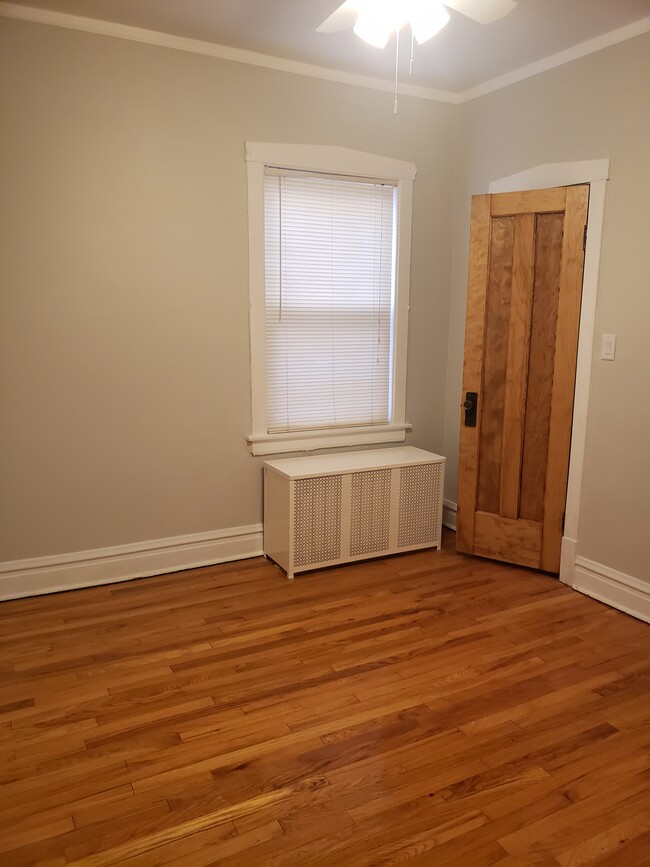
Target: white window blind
(329, 300)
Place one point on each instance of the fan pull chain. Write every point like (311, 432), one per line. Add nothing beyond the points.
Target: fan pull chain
(396, 69)
(412, 51)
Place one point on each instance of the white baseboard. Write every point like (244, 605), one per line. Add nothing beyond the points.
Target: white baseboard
(614, 588)
(59, 572)
(449, 509)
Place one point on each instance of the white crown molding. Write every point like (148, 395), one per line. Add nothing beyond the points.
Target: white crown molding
(37, 575)
(267, 61)
(212, 49)
(605, 40)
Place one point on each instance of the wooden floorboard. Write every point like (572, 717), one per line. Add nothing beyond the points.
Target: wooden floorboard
(430, 709)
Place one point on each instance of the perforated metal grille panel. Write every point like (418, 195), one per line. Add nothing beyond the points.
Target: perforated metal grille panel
(370, 512)
(419, 505)
(317, 520)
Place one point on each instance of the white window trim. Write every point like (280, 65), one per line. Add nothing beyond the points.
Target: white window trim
(342, 161)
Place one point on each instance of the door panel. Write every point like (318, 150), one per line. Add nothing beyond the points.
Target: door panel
(507, 539)
(548, 259)
(516, 372)
(523, 308)
(496, 354)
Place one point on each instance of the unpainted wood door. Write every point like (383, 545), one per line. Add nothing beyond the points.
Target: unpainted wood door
(521, 337)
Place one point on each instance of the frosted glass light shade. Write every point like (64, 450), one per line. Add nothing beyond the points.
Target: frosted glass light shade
(378, 19)
(427, 18)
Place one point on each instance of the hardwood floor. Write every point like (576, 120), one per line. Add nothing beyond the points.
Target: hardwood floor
(429, 708)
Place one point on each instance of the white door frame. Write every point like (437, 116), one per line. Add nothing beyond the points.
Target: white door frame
(595, 173)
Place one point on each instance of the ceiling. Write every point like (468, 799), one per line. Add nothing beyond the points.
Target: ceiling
(462, 56)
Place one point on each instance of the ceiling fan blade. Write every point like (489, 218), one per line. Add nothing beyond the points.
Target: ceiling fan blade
(342, 19)
(483, 11)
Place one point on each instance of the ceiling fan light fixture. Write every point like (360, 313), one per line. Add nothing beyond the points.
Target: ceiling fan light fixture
(427, 17)
(378, 19)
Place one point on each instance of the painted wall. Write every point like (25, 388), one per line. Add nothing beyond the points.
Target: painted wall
(124, 349)
(593, 108)
(124, 356)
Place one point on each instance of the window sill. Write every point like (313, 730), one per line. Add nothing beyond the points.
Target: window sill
(272, 444)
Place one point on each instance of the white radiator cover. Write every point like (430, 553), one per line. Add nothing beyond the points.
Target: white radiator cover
(320, 511)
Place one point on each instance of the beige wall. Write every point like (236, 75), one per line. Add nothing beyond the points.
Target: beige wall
(124, 365)
(593, 108)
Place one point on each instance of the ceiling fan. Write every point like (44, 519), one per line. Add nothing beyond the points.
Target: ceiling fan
(375, 20)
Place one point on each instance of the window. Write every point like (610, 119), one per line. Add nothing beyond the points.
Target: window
(329, 260)
(329, 266)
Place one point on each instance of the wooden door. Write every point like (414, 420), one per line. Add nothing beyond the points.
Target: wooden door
(521, 337)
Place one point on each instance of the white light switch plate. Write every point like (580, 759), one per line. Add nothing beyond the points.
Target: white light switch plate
(608, 349)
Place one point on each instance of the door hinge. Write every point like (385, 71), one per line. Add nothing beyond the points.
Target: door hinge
(584, 240)
(563, 521)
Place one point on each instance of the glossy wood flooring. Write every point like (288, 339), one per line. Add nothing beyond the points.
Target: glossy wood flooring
(429, 708)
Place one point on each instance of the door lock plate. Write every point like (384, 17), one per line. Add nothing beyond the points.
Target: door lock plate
(469, 405)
